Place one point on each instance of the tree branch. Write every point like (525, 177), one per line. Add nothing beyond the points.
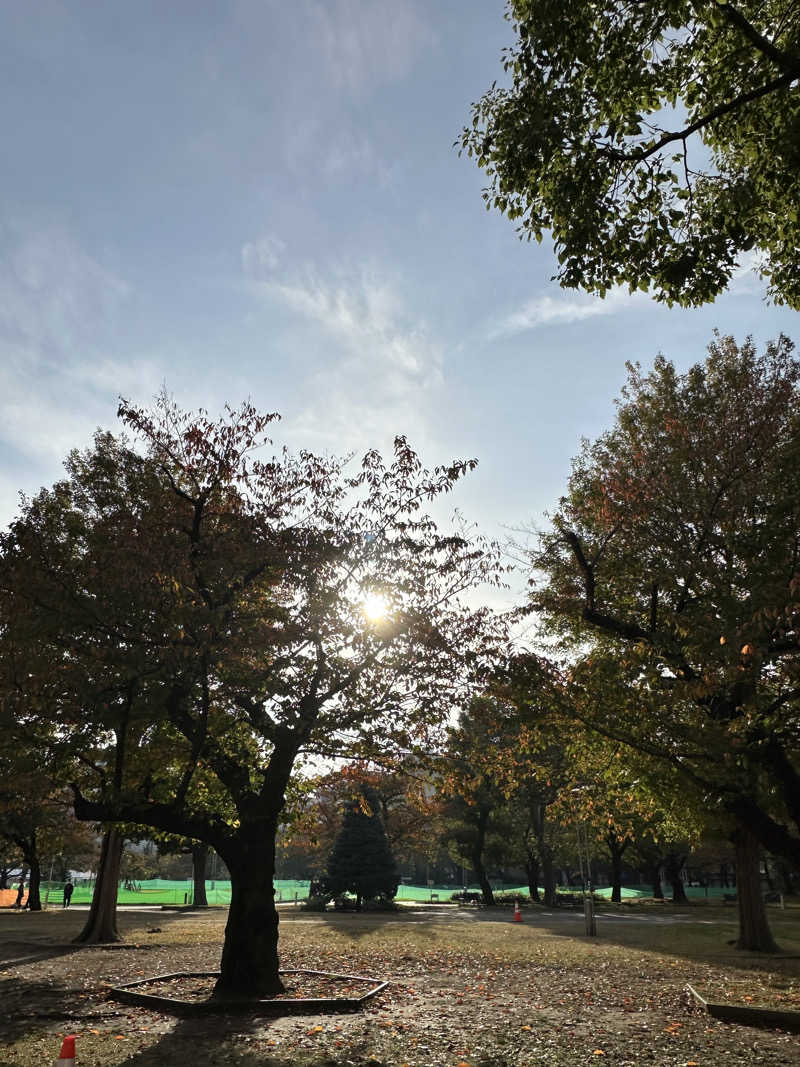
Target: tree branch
(641, 154)
(160, 816)
(788, 63)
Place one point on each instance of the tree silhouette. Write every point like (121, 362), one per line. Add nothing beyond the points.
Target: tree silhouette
(362, 862)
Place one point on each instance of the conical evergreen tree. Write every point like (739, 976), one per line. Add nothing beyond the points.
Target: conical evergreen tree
(361, 861)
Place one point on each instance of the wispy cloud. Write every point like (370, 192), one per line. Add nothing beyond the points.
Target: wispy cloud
(366, 314)
(261, 257)
(53, 295)
(369, 42)
(59, 310)
(376, 367)
(550, 311)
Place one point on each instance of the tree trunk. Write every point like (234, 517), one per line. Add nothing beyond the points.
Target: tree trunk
(30, 858)
(199, 860)
(652, 874)
(673, 865)
(786, 876)
(101, 926)
(616, 848)
(477, 858)
(532, 871)
(768, 875)
(483, 881)
(754, 932)
(34, 883)
(249, 966)
(548, 876)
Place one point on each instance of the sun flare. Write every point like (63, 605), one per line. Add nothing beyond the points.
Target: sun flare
(375, 606)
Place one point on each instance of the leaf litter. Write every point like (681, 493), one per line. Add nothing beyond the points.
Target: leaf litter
(486, 995)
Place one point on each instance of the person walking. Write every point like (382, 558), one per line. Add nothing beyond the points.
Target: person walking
(68, 888)
(20, 894)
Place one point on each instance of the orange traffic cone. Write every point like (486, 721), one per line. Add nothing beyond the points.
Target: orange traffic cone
(517, 912)
(67, 1057)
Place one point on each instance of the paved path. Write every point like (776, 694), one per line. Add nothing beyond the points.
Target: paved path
(448, 914)
(567, 916)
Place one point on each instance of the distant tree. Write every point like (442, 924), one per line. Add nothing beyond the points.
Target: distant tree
(477, 822)
(36, 817)
(672, 571)
(406, 810)
(136, 865)
(657, 141)
(361, 861)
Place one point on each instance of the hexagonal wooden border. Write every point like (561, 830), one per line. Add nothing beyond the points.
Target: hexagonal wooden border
(129, 994)
(745, 1015)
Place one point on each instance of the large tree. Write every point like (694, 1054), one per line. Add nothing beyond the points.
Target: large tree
(658, 142)
(239, 610)
(676, 554)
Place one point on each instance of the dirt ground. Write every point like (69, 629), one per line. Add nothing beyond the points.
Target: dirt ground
(466, 988)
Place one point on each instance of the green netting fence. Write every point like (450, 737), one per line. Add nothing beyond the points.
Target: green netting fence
(159, 891)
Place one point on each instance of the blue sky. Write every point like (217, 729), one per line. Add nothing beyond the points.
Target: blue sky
(255, 198)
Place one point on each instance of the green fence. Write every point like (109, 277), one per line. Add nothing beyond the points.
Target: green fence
(157, 891)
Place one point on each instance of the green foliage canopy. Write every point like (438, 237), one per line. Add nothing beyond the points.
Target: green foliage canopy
(658, 142)
(673, 567)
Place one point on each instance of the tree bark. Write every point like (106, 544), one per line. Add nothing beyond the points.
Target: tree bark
(787, 877)
(34, 883)
(477, 858)
(199, 860)
(754, 932)
(30, 856)
(616, 848)
(548, 876)
(532, 872)
(673, 865)
(101, 925)
(249, 966)
(658, 889)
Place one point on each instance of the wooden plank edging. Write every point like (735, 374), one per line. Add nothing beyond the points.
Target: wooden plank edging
(743, 1014)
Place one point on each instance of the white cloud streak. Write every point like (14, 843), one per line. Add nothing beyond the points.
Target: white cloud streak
(552, 311)
(376, 369)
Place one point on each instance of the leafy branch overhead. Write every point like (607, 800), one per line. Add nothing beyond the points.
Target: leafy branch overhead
(659, 143)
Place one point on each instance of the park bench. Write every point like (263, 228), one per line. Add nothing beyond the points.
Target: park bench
(468, 897)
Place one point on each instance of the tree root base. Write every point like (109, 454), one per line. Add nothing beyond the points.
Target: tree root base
(134, 993)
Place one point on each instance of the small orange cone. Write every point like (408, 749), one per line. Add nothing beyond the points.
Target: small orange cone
(67, 1057)
(517, 912)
